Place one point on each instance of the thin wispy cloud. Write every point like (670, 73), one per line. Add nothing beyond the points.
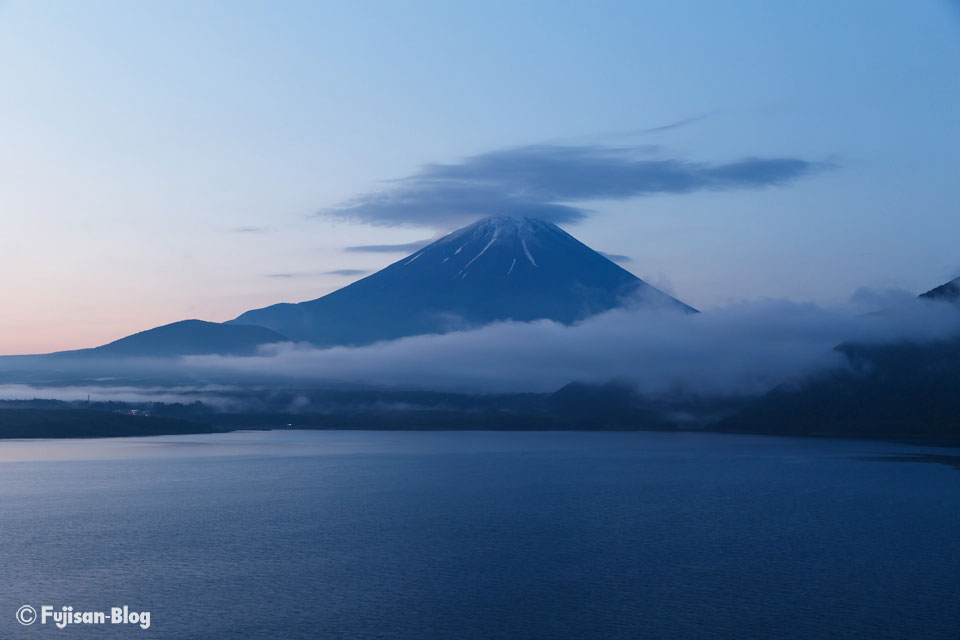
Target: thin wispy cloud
(313, 274)
(248, 230)
(347, 272)
(678, 123)
(546, 182)
(623, 134)
(870, 299)
(406, 247)
(616, 257)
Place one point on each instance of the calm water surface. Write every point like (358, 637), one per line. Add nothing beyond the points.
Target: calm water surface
(299, 534)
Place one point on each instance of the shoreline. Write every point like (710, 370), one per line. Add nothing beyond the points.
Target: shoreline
(207, 429)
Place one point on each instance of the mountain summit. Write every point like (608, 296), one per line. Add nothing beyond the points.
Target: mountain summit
(498, 268)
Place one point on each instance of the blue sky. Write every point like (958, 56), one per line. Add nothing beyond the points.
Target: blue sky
(164, 160)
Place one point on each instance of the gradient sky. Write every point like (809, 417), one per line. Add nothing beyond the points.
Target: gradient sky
(166, 160)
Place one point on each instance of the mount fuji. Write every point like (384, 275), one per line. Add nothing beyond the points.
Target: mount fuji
(498, 268)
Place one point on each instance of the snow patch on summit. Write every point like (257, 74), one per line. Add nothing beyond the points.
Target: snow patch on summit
(496, 233)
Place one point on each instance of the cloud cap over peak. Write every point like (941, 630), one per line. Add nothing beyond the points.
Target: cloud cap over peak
(543, 181)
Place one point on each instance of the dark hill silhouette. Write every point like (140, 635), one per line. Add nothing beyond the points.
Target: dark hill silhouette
(901, 390)
(949, 292)
(187, 337)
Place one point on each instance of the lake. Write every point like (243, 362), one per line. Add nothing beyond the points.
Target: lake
(359, 534)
